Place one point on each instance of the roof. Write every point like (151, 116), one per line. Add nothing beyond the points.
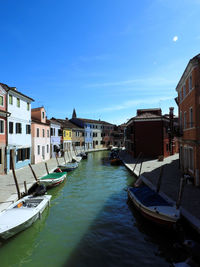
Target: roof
(13, 89)
(192, 61)
(94, 121)
(67, 124)
(147, 115)
(53, 121)
(39, 122)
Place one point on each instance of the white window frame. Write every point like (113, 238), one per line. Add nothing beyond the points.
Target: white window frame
(190, 83)
(3, 100)
(185, 120)
(9, 99)
(3, 126)
(189, 159)
(191, 117)
(184, 91)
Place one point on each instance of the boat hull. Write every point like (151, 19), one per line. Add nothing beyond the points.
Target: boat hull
(53, 180)
(155, 213)
(26, 218)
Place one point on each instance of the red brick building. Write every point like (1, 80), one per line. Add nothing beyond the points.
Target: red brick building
(188, 90)
(151, 134)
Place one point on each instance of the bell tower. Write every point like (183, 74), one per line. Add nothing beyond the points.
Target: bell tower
(74, 113)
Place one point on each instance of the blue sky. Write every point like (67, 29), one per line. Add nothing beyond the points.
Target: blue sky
(106, 58)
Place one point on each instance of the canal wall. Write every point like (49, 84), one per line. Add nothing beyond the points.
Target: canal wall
(8, 192)
(170, 184)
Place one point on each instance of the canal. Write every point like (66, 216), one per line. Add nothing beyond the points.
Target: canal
(88, 224)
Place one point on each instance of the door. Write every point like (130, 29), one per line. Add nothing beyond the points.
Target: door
(43, 152)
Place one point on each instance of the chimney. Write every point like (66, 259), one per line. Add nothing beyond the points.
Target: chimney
(14, 88)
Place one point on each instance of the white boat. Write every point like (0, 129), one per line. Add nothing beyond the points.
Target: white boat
(77, 158)
(22, 214)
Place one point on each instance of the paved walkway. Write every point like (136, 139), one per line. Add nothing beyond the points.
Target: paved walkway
(170, 184)
(8, 191)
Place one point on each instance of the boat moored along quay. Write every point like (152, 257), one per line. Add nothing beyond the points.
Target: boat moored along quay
(89, 223)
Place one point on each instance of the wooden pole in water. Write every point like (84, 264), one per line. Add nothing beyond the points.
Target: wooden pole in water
(14, 175)
(25, 188)
(33, 172)
(57, 160)
(64, 158)
(46, 168)
(182, 184)
(140, 168)
(159, 179)
(137, 160)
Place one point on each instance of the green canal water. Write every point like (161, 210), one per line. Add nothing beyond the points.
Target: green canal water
(88, 224)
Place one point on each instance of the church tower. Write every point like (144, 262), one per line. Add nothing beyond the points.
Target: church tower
(74, 113)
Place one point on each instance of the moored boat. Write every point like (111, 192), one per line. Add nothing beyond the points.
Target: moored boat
(22, 214)
(153, 206)
(53, 179)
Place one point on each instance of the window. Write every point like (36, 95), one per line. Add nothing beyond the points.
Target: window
(27, 153)
(181, 119)
(51, 131)
(1, 126)
(18, 102)
(43, 115)
(38, 150)
(190, 83)
(69, 134)
(184, 91)
(28, 106)
(59, 132)
(1, 100)
(47, 148)
(0, 156)
(18, 128)
(184, 120)
(48, 133)
(11, 127)
(10, 99)
(96, 142)
(43, 133)
(28, 128)
(38, 133)
(191, 118)
(191, 160)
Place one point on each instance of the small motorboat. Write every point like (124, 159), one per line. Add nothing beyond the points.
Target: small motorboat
(22, 214)
(115, 161)
(153, 206)
(52, 179)
(67, 167)
(84, 155)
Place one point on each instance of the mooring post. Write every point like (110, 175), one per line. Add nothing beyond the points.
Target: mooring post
(15, 177)
(33, 172)
(159, 179)
(137, 160)
(46, 168)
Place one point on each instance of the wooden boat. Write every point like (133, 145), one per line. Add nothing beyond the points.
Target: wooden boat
(153, 206)
(22, 214)
(115, 161)
(68, 167)
(52, 179)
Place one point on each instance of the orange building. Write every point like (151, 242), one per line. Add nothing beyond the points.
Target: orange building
(188, 90)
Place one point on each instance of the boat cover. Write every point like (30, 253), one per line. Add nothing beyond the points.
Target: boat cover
(54, 175)
(148, 197)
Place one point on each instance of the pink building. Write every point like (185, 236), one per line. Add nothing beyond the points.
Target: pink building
(40, 131)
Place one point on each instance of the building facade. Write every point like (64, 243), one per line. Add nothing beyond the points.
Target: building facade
(40, 130)
(151, 134)
(55, 138)
(3, 128)
(188, 90)
(19, 128)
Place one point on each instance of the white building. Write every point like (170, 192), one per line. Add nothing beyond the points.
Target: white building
(19, 128)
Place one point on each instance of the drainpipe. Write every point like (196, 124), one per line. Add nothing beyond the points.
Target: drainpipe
(7, 126)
